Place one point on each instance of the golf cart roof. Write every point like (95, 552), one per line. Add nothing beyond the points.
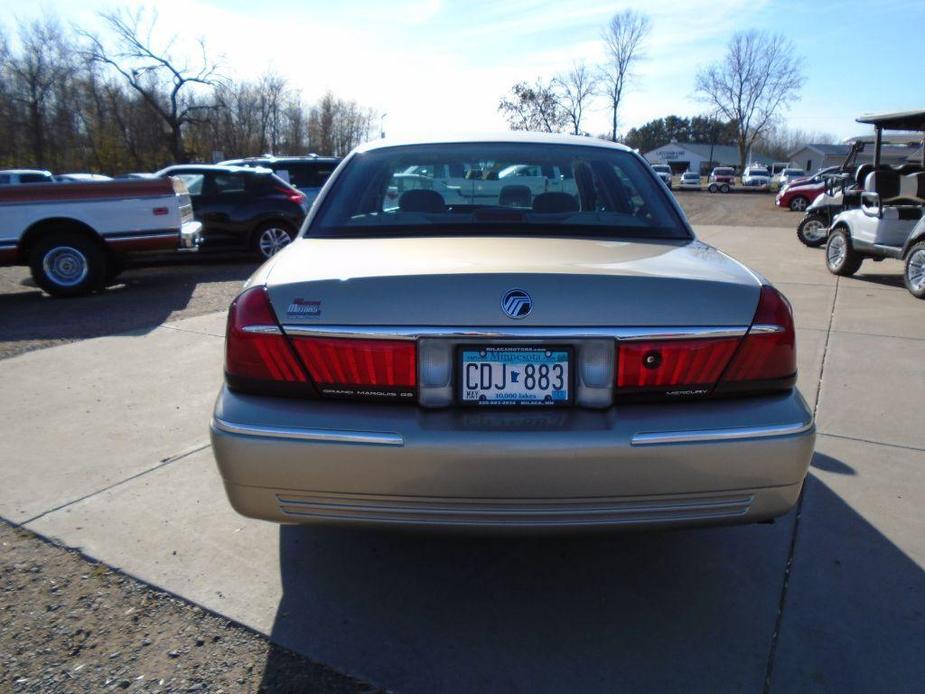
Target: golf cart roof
(901, 120)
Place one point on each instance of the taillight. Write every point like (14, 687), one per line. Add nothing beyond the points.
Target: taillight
(767, 355)
(763, 360)
(339, 363)
(292, 195)
(256, 351)
(666, 365)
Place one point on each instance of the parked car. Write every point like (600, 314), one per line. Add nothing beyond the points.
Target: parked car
(663, 171)
(721, 180)
(242, 207)
(889, 221)
(787, 176)
(798, 196)
(690, 180)
(306, 174)
(586, 362)
(80, 178)
(17, 176)
(75, 238)
(756, 177)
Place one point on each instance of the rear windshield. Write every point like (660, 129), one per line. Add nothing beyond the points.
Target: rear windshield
(304, 174)
(662, 168)
(500, 189)
(722, 172)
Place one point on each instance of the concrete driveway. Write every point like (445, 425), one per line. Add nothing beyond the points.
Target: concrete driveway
(106, 449)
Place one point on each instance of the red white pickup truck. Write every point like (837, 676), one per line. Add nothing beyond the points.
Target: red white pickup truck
(76, 237)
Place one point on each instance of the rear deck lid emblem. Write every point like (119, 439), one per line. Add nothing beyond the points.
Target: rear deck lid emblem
(516, 303)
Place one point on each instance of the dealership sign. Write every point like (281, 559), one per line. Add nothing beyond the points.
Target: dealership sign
(671, 154)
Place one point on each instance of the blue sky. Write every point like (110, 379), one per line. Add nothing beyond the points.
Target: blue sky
(437, 65)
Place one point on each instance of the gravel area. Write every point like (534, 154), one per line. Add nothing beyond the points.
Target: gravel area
(68, 624)
(748, 208)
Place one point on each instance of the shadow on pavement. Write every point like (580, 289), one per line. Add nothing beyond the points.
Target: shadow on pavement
(886, 280)
(141, 298)
(661, 611)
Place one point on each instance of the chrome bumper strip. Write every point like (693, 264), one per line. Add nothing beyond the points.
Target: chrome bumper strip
(410, 332)
(316, 435)
(711, 435)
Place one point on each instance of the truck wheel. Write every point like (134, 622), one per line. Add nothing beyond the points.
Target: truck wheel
(271, 238)
(724, 188)
(915, 270)
(840, 257)
(799, 204)
(68, 264)
(812, 231)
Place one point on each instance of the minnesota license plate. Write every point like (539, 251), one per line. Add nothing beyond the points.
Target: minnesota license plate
(515, 375)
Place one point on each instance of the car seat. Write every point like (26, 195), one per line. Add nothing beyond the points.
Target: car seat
(421, 201)
(551, 203)
(515, 196)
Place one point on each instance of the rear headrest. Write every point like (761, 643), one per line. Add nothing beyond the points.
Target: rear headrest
(884, 182)
(860, 176)
(421, 201)
(515, 196)
(912, 186)
(550, 203)
(906, 169)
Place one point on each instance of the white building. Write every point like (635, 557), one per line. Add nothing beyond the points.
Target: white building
(684, 156)
(819, 156)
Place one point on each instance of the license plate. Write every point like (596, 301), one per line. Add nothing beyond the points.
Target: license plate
(515, 375)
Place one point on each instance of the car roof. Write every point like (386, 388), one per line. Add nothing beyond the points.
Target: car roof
(194, 168)
(26, 171)
(512, 137)
(306, 159)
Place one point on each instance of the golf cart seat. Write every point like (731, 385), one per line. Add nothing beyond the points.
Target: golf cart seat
(860, 176)
(898, 195)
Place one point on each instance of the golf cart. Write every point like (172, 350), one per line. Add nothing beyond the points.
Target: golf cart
(835, 182)
(888, 221)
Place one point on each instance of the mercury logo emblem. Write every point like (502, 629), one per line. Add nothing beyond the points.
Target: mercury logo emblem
(516, 303)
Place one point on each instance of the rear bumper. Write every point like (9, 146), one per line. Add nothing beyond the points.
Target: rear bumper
(636, 465)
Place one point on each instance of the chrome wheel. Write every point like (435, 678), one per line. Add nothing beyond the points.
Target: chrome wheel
(814, 230)
(836, 251)
(798, 204)
(915, 271)
(272, 240)
(65, 266)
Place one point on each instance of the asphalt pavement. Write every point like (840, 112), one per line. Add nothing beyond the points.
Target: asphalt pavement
(106, 448)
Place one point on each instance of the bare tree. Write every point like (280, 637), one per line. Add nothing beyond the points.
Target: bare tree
(574, 90)
(623, 39)
(757, 78)
(166, 85)
(533, 107)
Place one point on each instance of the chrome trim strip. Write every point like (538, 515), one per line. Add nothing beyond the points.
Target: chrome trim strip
(158, 235)
(316, 435)
(413, 332)
(707, 435)
(765, 329)
(262, 329)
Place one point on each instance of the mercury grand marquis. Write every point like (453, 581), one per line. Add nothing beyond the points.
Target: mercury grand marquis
(473, 355)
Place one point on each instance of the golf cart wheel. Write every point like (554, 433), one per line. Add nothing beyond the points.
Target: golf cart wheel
(724, 188)
(812, 231)
(914, 274)
(799, 204)
(840, 257)
(712, 188)
(271, 238)
(67, 263)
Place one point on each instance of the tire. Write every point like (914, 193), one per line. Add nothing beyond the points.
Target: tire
(914, 273)
(840, 258)
(813, 231)
(712, 188)
(270, 238)
(799, 204)
(724, 188)
(67, 263)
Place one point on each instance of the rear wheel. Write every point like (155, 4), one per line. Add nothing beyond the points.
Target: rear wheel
(914, 274)
(712, 188)
(271, 238)
(724, 188)
(840, 257)
(812, 231)
(799, 204)
(68, 264)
